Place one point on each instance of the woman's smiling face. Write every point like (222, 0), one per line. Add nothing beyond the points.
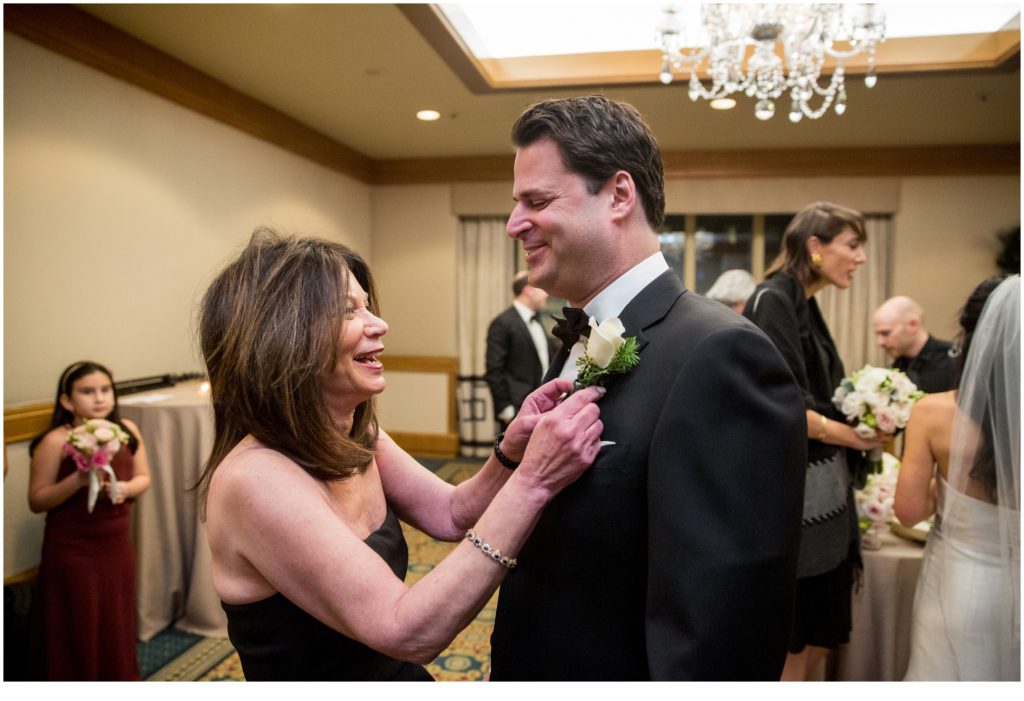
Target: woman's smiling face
(358, 373)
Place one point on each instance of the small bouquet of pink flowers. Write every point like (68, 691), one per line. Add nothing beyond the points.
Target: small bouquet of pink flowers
(877, 399)
(92, 446)
(875, 502)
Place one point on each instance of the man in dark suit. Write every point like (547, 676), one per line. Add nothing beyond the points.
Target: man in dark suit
(674, 556)
(519, 350)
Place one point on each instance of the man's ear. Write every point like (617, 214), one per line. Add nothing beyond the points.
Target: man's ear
(623, 195)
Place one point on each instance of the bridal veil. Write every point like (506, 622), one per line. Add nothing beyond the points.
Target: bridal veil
(981, 514)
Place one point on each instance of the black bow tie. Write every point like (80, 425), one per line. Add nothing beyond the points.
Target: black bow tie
(575, 324)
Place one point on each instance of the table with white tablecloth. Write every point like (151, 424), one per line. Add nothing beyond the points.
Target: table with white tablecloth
(879, 647)
(175, 582)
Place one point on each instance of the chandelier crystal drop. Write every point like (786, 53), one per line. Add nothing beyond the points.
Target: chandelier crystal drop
(765, 51)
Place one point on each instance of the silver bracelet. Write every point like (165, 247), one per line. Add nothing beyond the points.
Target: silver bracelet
(493, 553)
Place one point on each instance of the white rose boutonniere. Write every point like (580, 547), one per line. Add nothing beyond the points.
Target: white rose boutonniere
(606, 353)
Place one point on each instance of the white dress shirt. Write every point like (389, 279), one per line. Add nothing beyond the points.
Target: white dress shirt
(610, 301)
(540, 340)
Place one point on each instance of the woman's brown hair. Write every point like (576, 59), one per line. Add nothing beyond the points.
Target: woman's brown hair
(824, 220)
(269, 328)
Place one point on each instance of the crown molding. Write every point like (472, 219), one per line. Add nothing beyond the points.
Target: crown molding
(78, 35)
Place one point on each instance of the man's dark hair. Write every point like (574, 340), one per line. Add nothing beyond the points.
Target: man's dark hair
(519, 284)
(598, 137)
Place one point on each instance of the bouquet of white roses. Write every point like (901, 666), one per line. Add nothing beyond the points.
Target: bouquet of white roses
(92, 446)
(875, 501)
(876, 399)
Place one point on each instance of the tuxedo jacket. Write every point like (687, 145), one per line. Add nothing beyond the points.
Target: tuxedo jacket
(674, 556)
(513, 367)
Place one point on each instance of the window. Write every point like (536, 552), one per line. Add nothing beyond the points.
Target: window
(774, 226)
(700, 247)
(723, 243)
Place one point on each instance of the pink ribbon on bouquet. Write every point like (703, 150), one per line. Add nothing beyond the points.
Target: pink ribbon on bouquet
(99, 462)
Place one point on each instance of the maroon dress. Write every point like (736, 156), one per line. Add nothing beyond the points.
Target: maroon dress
(83, 607)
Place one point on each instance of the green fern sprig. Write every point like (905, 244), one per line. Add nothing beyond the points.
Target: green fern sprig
(624, 360)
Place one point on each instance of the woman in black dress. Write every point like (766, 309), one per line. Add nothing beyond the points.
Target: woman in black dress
(303, 491)
(823, 245)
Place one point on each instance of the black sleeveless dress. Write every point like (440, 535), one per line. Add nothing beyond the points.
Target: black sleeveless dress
(278, 641)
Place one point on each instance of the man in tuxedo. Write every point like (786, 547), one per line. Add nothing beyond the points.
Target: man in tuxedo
(674, 556)
(519, 350)
(899, 329)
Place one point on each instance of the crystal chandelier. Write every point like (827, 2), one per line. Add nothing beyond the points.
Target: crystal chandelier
(808, 34)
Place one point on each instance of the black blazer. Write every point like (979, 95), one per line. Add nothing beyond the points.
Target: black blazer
(795, 325)
(674, 556)
(513, 368)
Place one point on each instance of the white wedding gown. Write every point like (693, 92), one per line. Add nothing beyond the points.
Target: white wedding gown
(956, 614)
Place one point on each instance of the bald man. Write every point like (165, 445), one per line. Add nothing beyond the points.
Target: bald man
(925, 359)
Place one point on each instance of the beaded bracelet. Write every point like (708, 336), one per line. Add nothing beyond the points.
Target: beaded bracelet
(493, 553)
(502, 458)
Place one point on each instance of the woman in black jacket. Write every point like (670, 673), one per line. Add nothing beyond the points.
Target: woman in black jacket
(823, 245)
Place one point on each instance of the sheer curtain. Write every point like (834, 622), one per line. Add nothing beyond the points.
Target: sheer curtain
(848, 312)
(485, 264)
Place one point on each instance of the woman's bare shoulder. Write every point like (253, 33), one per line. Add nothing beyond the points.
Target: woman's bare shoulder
(938, 402)
(933, 408)
(252, 472)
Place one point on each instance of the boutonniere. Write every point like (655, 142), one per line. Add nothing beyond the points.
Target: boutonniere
(605, 353)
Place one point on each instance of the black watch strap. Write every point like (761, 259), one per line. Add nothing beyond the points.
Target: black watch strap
(502, 458)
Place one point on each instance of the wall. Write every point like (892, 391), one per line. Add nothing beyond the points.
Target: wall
(119, 207)
(946, 241)
(414, 244)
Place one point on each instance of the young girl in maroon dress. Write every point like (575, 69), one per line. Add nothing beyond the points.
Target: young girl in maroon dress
(83, 607)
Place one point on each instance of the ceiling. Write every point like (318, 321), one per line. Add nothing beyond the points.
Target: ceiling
(358, 73)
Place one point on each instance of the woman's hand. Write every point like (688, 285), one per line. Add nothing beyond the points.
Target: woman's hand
(837, 433)
(564, 441)
(537, 403)
(117, 491)
(860, 443)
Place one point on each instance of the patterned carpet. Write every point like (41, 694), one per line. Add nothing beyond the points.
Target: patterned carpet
(468, 658)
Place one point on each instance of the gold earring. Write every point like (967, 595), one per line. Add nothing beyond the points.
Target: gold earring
(816, 260)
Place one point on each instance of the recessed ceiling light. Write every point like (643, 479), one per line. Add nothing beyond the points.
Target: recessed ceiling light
(723, 103)
(428, 115)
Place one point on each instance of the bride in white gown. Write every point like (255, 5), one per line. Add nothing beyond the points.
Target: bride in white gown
(962, 462)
